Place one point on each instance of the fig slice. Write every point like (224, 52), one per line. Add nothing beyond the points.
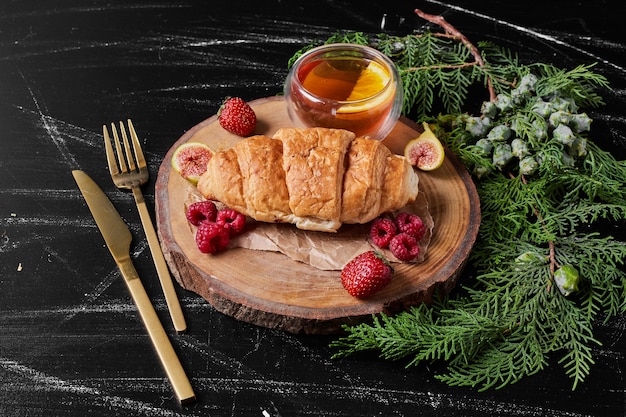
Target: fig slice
(426, 151)
(190, 160)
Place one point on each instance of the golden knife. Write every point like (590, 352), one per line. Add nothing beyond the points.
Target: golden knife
(117, 237)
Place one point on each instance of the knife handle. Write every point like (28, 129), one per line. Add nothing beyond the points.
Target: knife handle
(167, 355)
(173, 304)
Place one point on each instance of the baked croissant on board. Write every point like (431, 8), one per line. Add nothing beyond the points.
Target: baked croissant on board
(315, 178)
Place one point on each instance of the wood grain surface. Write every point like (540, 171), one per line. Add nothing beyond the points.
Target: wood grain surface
(271, 289)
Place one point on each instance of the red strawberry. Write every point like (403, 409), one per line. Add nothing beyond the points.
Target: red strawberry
(366, 274)
(236, 116)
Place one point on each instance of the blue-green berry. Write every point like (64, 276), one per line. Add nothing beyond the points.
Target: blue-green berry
(560, 117)
(476, 126)
(519, 148)
(502, 154)
(489, 109)
(484, 147)
(480, 171)
(566, 279)
(579, 147)
(563, 104)
(504, 102)
(528, 82)
(581, 122)
(499, 133)
(531, 257)
(542, 108)
(528, 165)
(564, 134)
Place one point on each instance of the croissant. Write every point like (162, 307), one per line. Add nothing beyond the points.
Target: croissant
(316, 178)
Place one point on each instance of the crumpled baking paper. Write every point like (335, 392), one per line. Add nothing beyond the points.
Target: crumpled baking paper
(322, 250)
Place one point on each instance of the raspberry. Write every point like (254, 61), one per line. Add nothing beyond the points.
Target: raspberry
(404, 247)
(382, 231)
(231, 220)
(211, 237)
(201, 211)
(411, 224)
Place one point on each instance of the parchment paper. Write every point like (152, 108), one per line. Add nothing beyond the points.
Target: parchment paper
(326, 251)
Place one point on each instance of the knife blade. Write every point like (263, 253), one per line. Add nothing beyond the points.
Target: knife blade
(118, 239)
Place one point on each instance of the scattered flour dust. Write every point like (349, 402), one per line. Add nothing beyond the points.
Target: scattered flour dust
(38, 381)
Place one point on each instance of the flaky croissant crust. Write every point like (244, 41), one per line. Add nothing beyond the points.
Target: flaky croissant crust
(315, 178)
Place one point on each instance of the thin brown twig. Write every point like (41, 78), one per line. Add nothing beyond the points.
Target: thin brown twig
(456, 34)
(442, 66)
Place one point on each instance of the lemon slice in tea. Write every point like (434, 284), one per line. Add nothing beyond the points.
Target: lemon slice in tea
(372, 80)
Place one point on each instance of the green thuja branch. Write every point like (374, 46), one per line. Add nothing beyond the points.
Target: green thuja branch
(543, 276)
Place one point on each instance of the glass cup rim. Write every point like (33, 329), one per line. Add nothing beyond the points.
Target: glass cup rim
(348, 47)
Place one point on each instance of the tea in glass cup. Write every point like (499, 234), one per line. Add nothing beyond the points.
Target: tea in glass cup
(345, 86)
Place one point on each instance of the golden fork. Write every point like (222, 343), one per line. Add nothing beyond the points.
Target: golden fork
(130, 171)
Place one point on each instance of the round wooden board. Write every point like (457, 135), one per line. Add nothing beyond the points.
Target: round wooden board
(269, 289)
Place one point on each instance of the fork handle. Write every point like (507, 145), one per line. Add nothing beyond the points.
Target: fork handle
(173, 304)
(173, 368)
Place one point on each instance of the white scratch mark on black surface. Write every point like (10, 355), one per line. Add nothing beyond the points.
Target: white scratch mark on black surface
(77, 134)
(112, 306)
(104, 284)
(35, 380)
(40, 11)
(530, 32)
(216, 357)
(50, 221)
(50, 127)
(426, 400)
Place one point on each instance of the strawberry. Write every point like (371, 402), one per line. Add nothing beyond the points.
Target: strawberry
(236, 116)
(366, 274)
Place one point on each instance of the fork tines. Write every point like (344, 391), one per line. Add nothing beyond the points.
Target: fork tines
(126, 157)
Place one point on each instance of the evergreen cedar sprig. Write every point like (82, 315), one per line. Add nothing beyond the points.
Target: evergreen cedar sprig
(458, 36)
(541, 187)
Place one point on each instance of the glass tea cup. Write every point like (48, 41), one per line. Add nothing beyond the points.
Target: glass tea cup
(345, 86)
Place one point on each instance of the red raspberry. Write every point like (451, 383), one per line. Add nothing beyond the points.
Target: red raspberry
(382, 231)
(404, 247)
(231, 220)
(211, 237)
(411, 224)
(201, 211)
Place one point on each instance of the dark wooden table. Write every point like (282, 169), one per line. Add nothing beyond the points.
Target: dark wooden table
(71, 342)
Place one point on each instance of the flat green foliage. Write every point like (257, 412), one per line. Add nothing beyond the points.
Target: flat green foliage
(539, 207)
(432, 68)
